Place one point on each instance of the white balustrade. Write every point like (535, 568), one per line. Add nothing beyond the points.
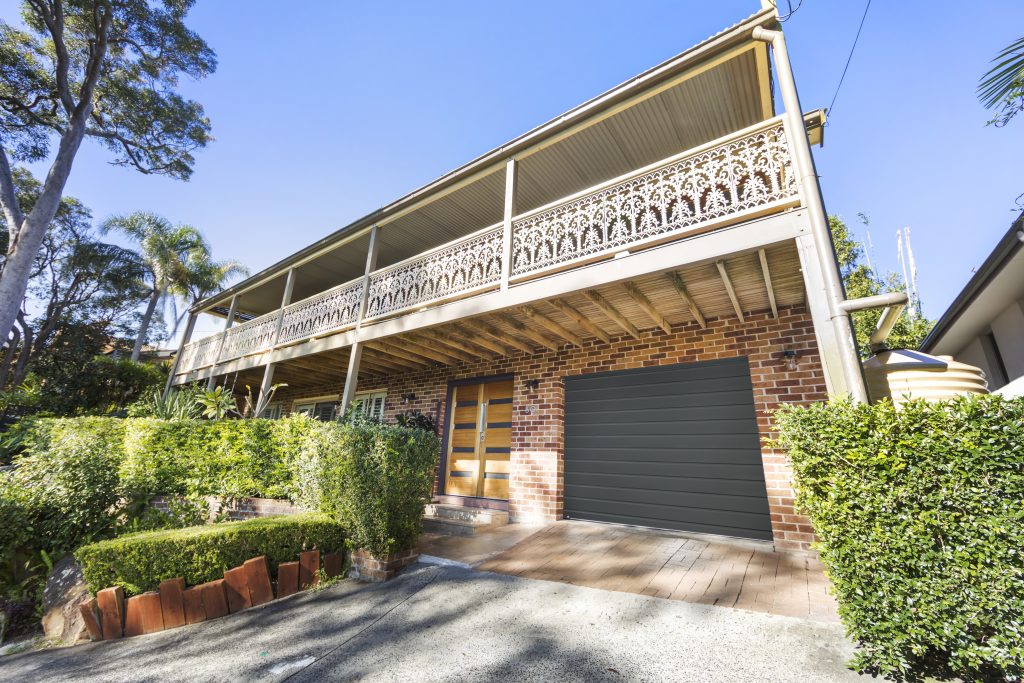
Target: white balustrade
(328, 311)
(450, 271)
(251, 336)
(749, 172)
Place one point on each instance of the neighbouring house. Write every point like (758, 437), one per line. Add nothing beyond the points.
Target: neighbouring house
(600, 314)
(984, 326)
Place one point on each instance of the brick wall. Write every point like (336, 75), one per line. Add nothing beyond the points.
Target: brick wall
(535, 484)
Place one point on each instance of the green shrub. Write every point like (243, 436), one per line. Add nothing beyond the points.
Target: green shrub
(65, 486)
(379, 486)
(920, 519)
(139, 562)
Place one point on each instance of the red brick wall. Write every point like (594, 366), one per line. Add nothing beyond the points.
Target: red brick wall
(536, 481)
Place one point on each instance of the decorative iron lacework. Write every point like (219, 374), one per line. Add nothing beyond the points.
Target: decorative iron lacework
(324, 312)
(188, 356)
(742, 174)
(461, 267)
(206, 351)
(251, 336)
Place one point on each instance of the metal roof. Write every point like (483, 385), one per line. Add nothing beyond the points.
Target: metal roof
(716, 87)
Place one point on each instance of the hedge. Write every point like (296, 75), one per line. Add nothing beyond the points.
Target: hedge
(920, 518)
(139, 562)
(380, 487)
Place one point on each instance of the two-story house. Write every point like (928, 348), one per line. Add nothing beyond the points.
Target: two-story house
(599, 314)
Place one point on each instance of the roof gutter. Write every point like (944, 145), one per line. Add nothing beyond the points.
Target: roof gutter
(720, 42)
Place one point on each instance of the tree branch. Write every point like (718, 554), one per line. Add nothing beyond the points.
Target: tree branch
(55, 25)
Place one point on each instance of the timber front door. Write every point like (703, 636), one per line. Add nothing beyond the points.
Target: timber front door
(479, 439)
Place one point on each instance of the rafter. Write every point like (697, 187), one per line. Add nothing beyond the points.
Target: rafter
(478, 338)
(677, 281)
(400, 364)
(569, 311)
(471, 350)
(729, 288)
(552, 326)
(647, 306)
(391, 349)
(612, 312)
(525, 331)
(431, 352)
(768, 282)
(489, 330)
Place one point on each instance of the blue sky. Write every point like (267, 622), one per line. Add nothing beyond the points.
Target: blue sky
(328, 110)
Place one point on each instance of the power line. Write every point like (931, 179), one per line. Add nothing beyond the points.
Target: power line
(789, 4)
(850, 58)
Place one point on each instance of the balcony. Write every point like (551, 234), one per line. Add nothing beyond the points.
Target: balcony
(733, 179)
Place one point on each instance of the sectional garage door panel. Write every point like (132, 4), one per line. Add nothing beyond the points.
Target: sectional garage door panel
(674, 447)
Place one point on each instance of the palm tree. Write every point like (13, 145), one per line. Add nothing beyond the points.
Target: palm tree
(167, 251)
(1003, 85)
(204, 277)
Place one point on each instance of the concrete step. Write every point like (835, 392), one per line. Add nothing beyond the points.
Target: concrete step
(456, 520)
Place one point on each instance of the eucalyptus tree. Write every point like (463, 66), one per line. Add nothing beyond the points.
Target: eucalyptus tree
(76, 280)
(168, 253)
(1003, 85)
(105, 69)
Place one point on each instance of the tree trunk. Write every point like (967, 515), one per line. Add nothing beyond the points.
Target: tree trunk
(154, 299)
(8, 359)
(28, 237)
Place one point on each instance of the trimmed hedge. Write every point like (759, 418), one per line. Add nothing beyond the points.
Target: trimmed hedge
(381, 485)
(139, 562)
(920, 518)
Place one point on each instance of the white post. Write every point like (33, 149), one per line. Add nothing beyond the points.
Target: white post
(268, 373)
(810, 195)
(289, 285)
(511, 170)
(232, 310)
(356, 353)
(352, 378)
(181, 347)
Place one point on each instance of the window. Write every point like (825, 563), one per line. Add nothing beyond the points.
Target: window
(370, 403)
(324, 408)
(272, 411)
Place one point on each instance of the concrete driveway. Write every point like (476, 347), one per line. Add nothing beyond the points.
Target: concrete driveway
(449, 623)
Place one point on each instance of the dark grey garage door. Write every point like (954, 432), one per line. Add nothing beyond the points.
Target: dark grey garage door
(673, 447)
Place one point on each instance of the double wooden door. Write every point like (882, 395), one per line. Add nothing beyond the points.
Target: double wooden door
(479, 440)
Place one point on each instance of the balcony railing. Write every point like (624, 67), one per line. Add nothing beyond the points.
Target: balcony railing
(726, 181)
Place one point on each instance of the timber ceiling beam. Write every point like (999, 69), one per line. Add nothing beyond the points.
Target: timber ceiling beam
(552, 326)
(489, 330)
(647, 306)
(388, 348)
(525, 331)
(442, 343)
(768, 282)
(431, 352)
(570, 312)
(477, 338)
(677, 281)
(724, 274)
(613, 313)
(382, 358)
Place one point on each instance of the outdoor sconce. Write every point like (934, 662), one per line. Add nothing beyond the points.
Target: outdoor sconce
(408, 398)
(532, 384)
(791, 359)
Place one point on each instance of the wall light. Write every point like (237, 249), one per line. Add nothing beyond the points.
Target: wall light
(532, 384)
(790, 357)
(408, 398)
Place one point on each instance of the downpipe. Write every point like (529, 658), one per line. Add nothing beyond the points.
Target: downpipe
(810, 193)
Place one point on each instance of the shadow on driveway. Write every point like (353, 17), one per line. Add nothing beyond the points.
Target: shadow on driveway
(444, 623)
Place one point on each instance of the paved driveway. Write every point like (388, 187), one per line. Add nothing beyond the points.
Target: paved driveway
(445, 623)
(710, 570)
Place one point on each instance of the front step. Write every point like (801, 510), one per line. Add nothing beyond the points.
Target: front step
(456, 520)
